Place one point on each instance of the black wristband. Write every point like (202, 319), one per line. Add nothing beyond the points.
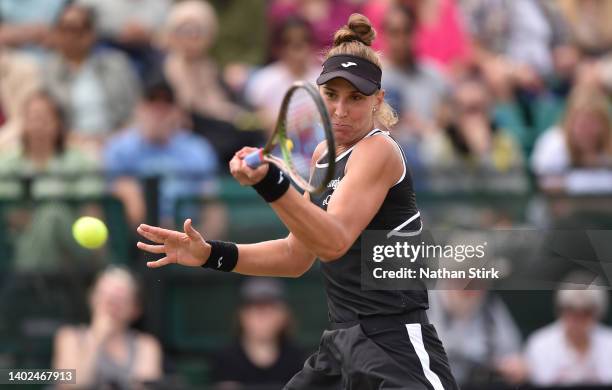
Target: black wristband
(223, 256)
(273, 185)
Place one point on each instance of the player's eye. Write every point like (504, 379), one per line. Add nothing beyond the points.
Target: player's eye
(357, 97)
(330, 95)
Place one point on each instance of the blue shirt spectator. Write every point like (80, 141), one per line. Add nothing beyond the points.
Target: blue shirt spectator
(158, 146)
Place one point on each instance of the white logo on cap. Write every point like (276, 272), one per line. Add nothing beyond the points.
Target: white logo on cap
(348, 64)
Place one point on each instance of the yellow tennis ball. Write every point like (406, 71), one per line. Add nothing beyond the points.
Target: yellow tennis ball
(90, 232)
(289, 144)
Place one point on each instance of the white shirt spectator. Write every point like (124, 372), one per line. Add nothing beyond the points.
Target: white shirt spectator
(552, 361)
(551, 156)
(550, 153)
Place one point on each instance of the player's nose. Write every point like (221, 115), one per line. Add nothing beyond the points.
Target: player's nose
(339, 110)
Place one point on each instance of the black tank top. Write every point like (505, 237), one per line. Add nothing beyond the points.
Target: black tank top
(342, 277)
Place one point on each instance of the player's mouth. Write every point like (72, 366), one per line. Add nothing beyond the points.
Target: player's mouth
(341, 127)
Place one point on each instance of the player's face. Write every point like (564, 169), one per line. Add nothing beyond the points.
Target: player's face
(350, 111)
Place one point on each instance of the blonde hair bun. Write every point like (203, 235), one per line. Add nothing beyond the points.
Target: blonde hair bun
(358, 29)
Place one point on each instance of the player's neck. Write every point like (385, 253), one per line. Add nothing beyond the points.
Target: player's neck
(344, 147)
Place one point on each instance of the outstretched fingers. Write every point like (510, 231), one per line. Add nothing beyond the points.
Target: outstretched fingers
(159, 263)
(154, 233)
(151, 248)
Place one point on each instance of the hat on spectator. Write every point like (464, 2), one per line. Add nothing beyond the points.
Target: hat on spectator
(262, 290)
(157, 88)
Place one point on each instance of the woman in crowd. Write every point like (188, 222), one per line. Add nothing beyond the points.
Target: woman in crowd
(576, 155)
(106, 353)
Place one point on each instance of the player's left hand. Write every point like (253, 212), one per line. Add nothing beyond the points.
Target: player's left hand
(188, 248)
(242, 172)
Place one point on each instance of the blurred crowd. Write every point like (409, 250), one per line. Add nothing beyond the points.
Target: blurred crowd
(508, 96)
(510, 90)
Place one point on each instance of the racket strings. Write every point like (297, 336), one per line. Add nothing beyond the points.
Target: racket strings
(304, 130)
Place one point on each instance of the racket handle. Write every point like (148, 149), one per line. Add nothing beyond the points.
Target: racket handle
(254, 159)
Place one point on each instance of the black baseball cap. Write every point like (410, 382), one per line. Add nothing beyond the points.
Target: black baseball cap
(361, 73)
(262, 290)
(158, 89)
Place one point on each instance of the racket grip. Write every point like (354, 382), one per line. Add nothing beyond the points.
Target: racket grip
(254, 159)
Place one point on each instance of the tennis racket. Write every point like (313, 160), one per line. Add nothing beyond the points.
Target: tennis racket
(302, 124)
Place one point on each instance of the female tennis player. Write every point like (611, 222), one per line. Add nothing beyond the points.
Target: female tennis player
(376, 339)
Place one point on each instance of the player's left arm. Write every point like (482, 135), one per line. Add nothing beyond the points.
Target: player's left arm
(374, 166)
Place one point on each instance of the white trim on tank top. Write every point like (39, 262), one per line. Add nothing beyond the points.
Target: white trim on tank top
(401, 152)
(346, 152)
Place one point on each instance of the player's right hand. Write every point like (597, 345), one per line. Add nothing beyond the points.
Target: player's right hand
(188, 248)
(245, 175)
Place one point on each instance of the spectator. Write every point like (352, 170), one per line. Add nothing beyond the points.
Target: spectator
(441, 35)
(416, 86)
(97, 88)
(472, 151)
(19, 78)
(42, 235)
(592, 35)
(158, 146)
(482, 340)
(106, 353)
(525, 54)
(576, 155)
(189, 32)
(263, 355)
(130, 26)
(25, 23)
(324, 17)
(576, 349)
(523, 32)
(293, 46)
(589, 25)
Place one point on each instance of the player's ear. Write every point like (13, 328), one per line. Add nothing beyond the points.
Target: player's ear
(380, 98)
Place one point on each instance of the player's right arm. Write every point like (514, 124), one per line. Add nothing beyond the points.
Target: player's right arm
(284, 257)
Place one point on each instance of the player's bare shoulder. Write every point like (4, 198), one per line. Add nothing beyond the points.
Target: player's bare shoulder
(379, 151)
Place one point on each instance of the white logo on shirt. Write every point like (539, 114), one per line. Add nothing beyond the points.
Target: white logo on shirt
(219, 262)
(326, 201)
(333, 184)
(280, 177)
(348, 64)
